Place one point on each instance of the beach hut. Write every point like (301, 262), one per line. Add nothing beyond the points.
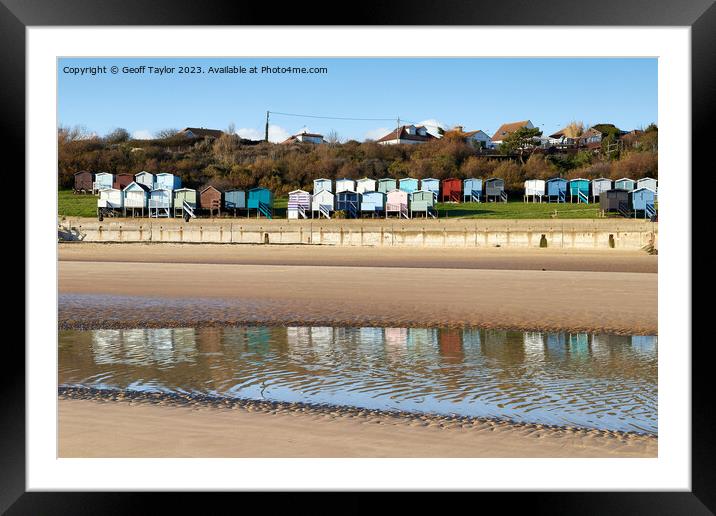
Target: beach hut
(600, 185)
(145, 178)
(556, 189)
(122, 180)
(431, 185)
(372, 203)
(472, 190)
(345, 185)
(167, 181)
(495, 190)
(261, 200)
(396, 203)
(534, 190)
(210, 199)
(235, 200)
(109, 202)
(323, 204)
(365, 185)
(387, 184)
(348, 201)
(83, 182)
(181, 196)
(624, 184)
(408, 184)
(647, 182)
(451, 190)
(322, 184)
(136, 197)
(160, 202)
(102, 181)
(642, 201)
(299, 204)
(579, 190)
(614, 200)
(422, 201)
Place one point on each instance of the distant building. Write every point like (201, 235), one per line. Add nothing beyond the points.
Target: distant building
(406, 134)
(507, 129)
(478, 137)
(304, 138)
(200, 132)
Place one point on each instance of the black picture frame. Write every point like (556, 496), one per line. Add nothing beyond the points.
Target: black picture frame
(700, 15)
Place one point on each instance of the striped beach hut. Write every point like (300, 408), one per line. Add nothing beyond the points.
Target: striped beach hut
(372, 203)
(345, 185)
(579, 190)
(642, 202)
(145, 178)
(235, 200)
(408, 184)
(624, 184)
(322, 184)
(556, 189)
(472, 190)
(396, 203)
(299, 204)
(102, 181)
(181, 196)
(495, 189)
(431, 185)
(365, 185)
(422, 201)
(451, 190)
(387, 184)
(600, 185)
(210, 200)
(160, 202)
(122, 180)
(348, 202)
(136, 197)
(323, 204)
(534, 190)
(647, 182)
(83, 181)
(261, 200)
(167, 181)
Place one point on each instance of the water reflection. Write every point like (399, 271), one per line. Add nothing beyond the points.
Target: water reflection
(602, 381)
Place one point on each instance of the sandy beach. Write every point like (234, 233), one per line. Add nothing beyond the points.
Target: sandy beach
(123, 429)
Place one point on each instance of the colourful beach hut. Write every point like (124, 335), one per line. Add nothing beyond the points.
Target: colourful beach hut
(299, 204)
(322, 184)
(647, 182)
(122, 180)
(167, 181)
(160, 202)
(600, 185)
(348, 202)
(210, 200)
(181, 196)
(495, 190)
(102, 181)
(642, 201)
(624, 184)
(422, 201)
(431, 185)
(83, 181)
(614, 200)
(323, 204)
(472, 190)
(534, 190)
(261, 200)
(345, 185)
(372, 203)
(145, 178)
(396, 203)
(365, 185)
(235, 200)
(451, 190)
(556, 189)
(408, 184)
(579, 190)
(136, 197)
(387, 184)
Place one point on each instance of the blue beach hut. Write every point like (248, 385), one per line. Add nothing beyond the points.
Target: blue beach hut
(642, 200)
(472, 190)
(322, 184)
(624, 184)
(372, 203)
(556, 189)
(235, 200)
(579, 190)
(261, 200)
(167, 181)
(431, 185)
(349, 202)
(102, 181)
(408, 184)
(387, 184)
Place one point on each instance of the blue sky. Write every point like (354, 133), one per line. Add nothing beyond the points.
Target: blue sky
(479, 93)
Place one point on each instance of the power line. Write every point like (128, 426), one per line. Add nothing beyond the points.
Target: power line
(334, 117)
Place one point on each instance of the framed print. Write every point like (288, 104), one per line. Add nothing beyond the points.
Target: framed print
(434, 249)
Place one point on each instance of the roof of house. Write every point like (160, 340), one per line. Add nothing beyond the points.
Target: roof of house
(566, 132)
(294, 138)
(459, 133)
(202, 132)
(507, 129)
(402, 134)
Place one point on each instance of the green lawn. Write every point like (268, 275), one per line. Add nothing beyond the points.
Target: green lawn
(76, 205)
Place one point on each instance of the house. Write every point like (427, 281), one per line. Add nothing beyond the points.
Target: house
(200, 132)
(566, 136)
(478, 137)
(136, 197)
(304, 137)
(647, 182)
(83, 181)
(323, 203)
(210, 199)
(299, 204)
(407, 134)
(591, 138)
(507, 129)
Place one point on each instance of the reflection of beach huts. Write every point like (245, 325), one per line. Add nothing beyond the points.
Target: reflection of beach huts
(579, 190)
(83, 182)
(642, 202)
(136, 197)
(556, 345)
(624, 184)
(645, 344)
(472, 190)
(121, 181)
(323, 204)
(167, 181)
(396, 203)
(450, 344)
(495, 190)
(556, 189)
(261, 200)
(322, 184)
(372, 203)
(600, 185)
(348, 202)
(534, 346)
(184, 199)
(322, 337)
(423, 340)
(396, 337)
(387, 184)
(408, 184)
(365, 185)
(614, 201)
(534, 190)
(210, 200)
(102, 181)
(345, 185)
(299, 204)
(578, 345)
(451, 190)
(235, 200)
(160, 202)
(422, 201)
(145, 178)
(431, 185)
(110, 200)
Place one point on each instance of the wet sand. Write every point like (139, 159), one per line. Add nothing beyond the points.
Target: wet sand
(123, 429)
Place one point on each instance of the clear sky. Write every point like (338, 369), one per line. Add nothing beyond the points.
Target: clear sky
(477, 93)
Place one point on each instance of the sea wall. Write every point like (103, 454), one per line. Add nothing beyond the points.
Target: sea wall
(574, 233)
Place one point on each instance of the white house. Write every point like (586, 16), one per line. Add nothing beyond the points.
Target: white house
(407, 134)
(478, 137)
(304, 137)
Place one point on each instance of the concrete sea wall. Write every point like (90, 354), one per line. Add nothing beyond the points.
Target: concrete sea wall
(574, 233)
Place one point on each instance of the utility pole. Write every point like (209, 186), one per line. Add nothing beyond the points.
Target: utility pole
(267, 125)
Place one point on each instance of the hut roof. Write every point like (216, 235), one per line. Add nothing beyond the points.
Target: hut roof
(209, 187)
(140, 185)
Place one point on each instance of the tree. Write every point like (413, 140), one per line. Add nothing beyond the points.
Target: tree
(332, 138)
(119, 135)
(163, 134)
(521, 142)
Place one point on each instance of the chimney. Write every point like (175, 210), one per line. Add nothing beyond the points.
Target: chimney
(458, 128)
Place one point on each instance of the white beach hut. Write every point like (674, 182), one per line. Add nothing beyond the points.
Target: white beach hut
(145, 178)
(600, 185)
(396, 203)
(365, 185)
(534, 190)
(345, 185)
(136, 197)
(322, 184)
(110, 200)
(647, 182)
(323, 204)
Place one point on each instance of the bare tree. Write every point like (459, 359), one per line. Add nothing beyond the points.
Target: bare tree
(70, 134)
(162, 134)
(332, 138)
